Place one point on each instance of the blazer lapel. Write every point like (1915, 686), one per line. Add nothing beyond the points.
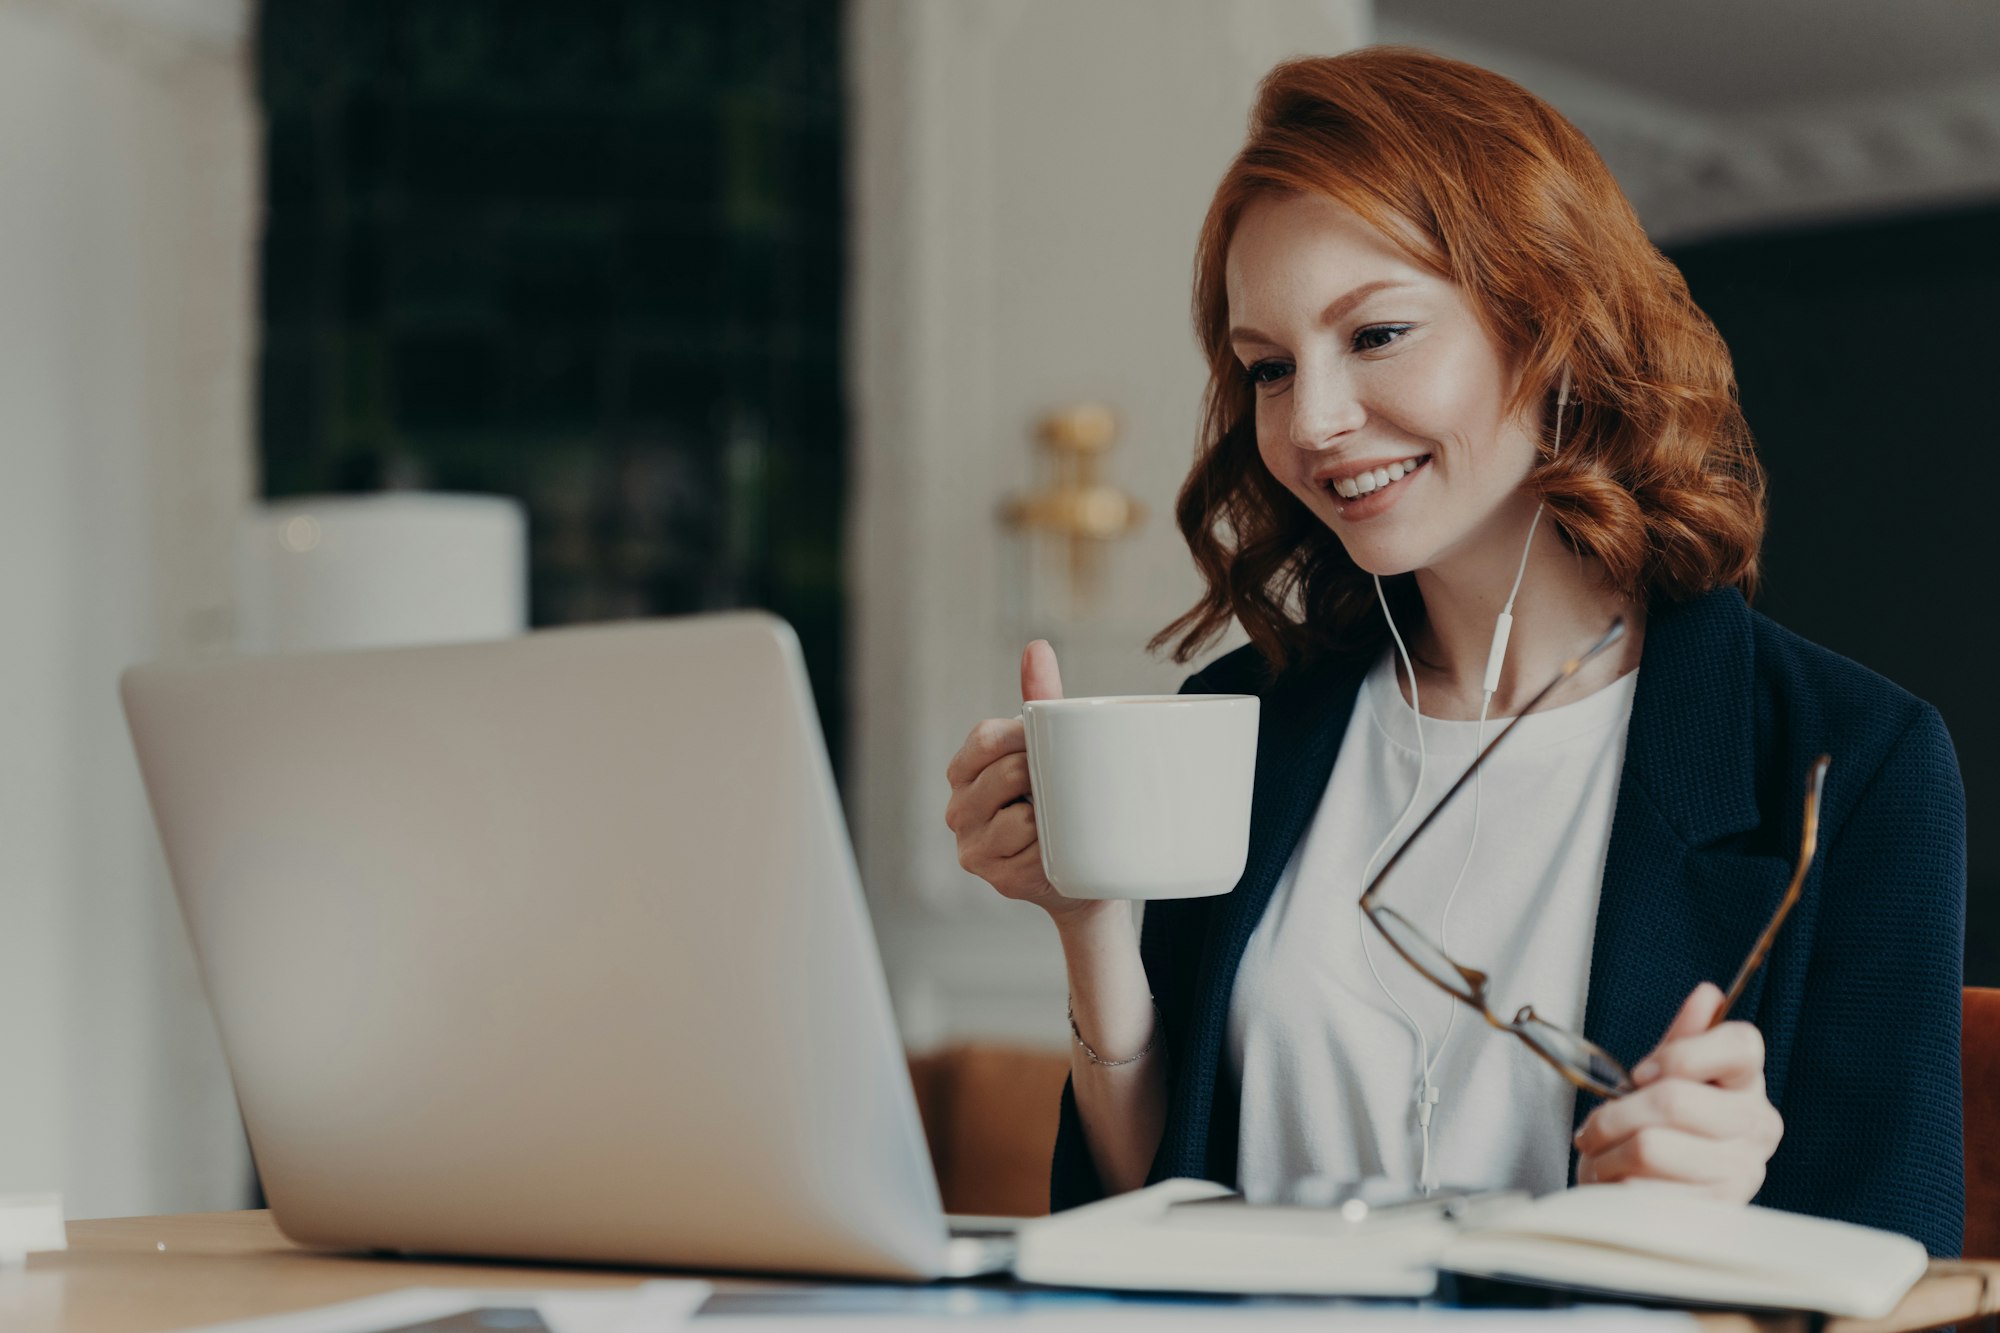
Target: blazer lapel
(1683, 894)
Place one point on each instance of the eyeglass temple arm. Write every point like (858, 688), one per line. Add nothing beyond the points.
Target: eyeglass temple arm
(1808, 844)
(1612, 634)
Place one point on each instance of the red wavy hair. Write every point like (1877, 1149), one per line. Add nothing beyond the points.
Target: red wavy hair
(1488, 186)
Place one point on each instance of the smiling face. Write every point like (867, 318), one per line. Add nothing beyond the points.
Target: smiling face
(1362, 359)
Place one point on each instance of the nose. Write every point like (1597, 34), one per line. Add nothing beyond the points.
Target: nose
(1325, 407)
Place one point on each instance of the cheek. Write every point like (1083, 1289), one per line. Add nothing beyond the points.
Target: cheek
(1272, 427)
(1451, 394)
(1437, 403)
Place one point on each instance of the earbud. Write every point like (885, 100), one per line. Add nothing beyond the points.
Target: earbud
(1562, 394)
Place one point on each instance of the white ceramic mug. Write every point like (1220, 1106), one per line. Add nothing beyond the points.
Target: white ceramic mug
(1142, 796)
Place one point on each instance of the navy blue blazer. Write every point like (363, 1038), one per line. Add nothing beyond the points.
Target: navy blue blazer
(1859, 1002)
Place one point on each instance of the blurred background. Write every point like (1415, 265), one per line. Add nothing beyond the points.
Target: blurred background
(815, 307)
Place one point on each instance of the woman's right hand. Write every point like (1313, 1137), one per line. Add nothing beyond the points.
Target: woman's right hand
(989, 808)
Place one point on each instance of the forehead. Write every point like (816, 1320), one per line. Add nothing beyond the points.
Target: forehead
(1308, 247)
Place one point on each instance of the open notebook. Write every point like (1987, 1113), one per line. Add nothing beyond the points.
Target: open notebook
(1648, 1241)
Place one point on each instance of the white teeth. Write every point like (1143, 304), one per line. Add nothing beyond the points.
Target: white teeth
(1368, 482)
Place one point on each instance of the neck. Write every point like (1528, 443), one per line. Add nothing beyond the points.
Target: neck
(1562, 608)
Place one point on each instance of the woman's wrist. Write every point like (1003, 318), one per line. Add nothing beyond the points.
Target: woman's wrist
(1111, 1006)
(1089, 917)
(1091, 922)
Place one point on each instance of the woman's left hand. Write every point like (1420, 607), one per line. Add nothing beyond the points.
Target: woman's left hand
(1700, 1114)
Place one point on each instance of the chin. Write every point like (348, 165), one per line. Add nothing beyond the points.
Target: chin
(1384, 560)
(1378, 549)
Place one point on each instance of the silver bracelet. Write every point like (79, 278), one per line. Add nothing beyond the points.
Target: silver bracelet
(1096, 1059)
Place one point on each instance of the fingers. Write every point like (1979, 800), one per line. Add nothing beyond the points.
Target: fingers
(1039, 677)
(1020, 874)
(989, 777)
(997, 787)
(997, 736)
(997, 838)
(1017, 874)
(1700, 1115)
(1692, 1050)
(1691, 1108)
(1731, 1055)
(1006, 835)
(1697, 1012)
(1730, 1168)
(987, 741)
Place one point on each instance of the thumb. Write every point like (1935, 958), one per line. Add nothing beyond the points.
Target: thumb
(1039, 677)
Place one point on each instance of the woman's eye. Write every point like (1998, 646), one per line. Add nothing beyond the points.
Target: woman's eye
(1266, 372)
(1377, 336)
(1374, 338)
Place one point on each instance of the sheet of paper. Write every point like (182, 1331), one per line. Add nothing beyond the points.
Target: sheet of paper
(643, 1308)
(663, 1307)
(935, 1309)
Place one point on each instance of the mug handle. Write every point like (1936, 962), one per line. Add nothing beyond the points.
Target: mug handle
(1033, 781)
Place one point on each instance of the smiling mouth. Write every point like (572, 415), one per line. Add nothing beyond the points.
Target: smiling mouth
(1370, 482)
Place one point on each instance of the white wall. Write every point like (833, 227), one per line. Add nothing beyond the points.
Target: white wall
(128, 157)
(1028, 179)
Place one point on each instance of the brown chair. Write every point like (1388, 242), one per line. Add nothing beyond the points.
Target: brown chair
(1980, 1051)
(990, 1115)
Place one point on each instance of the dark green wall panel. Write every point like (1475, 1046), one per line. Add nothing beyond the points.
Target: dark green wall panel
(587, 255)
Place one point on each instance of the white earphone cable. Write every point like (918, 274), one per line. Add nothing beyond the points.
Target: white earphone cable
(1424, 1091)
(1427, 1094)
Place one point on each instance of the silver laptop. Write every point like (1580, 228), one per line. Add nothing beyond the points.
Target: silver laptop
(551, 948)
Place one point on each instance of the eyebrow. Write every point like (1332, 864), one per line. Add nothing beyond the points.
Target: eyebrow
(1328, 315)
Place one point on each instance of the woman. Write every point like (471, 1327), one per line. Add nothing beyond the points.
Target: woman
(1450, 377)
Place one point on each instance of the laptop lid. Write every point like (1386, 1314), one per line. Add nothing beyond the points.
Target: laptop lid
(548, 948)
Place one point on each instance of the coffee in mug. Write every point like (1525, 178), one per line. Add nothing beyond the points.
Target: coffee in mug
(1142, 796)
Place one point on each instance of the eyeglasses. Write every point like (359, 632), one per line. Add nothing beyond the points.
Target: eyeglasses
(1578, 1059)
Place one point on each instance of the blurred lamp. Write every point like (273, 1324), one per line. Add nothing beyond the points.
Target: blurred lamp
(377, 571)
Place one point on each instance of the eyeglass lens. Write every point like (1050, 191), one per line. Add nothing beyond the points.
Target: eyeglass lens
(1576, 1055)
(1420, 953)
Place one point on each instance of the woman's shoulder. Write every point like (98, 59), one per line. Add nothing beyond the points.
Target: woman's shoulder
(1245, 670)
(1240, 671)
(1813, 689)
(1767, 692)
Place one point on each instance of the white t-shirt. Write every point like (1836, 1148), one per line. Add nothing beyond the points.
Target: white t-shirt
(1328, 1068)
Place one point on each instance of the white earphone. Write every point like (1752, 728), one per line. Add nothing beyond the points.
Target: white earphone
(1427, 1094)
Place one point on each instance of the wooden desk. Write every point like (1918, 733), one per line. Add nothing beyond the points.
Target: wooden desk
(153, 1274)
